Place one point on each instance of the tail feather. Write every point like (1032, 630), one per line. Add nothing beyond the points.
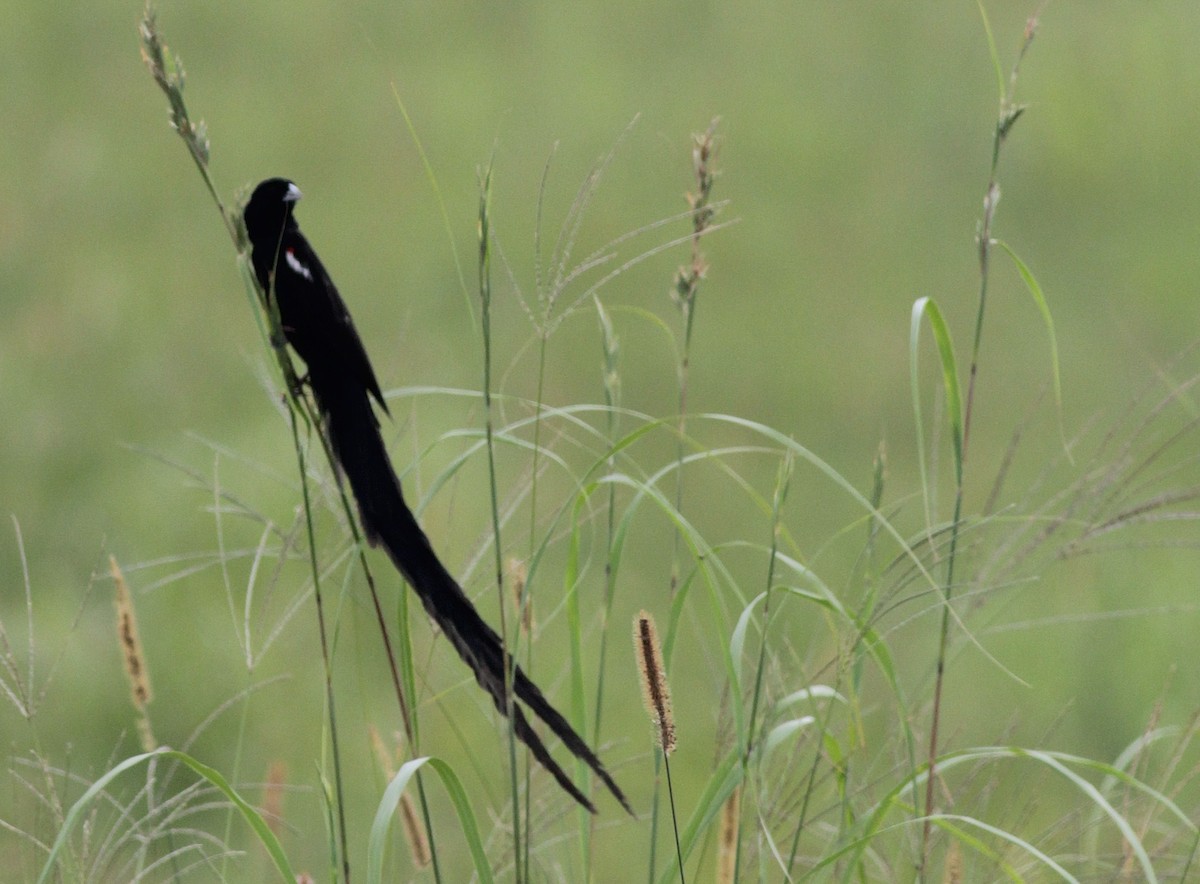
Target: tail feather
(386, 520)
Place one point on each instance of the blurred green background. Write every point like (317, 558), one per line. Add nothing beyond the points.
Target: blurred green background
(855, 142)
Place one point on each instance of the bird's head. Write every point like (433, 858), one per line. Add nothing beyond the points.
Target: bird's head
(269, 210)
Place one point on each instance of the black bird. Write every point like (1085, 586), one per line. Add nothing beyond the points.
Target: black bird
(318, 326)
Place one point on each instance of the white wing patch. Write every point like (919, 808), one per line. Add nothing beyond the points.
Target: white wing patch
(296, 265)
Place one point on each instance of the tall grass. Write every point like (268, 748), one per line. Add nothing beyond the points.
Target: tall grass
(805, 735)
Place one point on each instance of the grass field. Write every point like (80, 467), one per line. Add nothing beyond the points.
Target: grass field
(143, 419)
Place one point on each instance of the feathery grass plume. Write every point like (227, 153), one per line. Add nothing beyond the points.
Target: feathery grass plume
(272, 797)
(655, 690)
(518, 574)
(683, 293)
(657, 695)
(167, 70)
(687, 279)
(611, 344)
(727, 838)
(131, 651)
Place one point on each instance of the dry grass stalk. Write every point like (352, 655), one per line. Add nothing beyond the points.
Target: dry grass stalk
(131, 645)
(414, 832)
(518, 575)
(382, 754)
(727, 840)
(131, 651)
(654, 680)
(273, 792)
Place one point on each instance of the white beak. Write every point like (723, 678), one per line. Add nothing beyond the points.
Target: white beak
(293, 194)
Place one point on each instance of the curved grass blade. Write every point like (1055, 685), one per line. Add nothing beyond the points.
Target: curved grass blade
(927, 307)
(1039, 298)
(391, 800)
(257, 823)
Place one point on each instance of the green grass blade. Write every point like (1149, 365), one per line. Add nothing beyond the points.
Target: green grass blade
(391, 800)
(252, 816)
(995, 54)
(790, 444)
(927, 307)
(1039, 298)
(738, 640)
(944, 821)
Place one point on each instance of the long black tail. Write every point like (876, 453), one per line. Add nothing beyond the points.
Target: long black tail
(386, 519)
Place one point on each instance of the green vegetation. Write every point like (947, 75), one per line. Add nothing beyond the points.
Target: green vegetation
(898, 500)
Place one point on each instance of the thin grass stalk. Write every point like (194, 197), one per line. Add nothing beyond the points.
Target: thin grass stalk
(522, 598)
(403, 602)
(571, 583)
(543, 329)
(167, 71)
(1008, 115)
(325, 656)
(866, 614)
(612, 400)
(231, 815)
(782, 484)
(822, 721)
(654, 817)
(524, 612)
(485, 297)
(687, 284)
(549, 290)
(809, 789)
(674, 815)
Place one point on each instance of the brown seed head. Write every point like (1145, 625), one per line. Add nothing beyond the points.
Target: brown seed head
(127, 636)
(655, 690)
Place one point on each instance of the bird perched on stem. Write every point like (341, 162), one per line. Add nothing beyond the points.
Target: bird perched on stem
(318, 327)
